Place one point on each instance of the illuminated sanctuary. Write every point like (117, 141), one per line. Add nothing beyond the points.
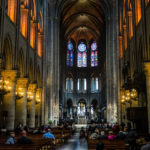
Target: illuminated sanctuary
(74, 60)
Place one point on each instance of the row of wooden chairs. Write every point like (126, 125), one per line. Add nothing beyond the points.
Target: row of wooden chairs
(39, 143)
(108, 145)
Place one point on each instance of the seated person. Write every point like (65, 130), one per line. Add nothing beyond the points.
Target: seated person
(103, 136)
(100, 146)
(121, 135)
(11, 138)
(48, 135)
(111, 136)
(147, 145)
(95, 135)
(24, 139)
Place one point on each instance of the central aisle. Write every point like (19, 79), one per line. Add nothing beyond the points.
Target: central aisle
(75, 144)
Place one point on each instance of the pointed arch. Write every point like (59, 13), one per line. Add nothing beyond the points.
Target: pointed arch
(8, 53)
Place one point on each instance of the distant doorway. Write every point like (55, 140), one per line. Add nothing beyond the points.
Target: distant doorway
(81, 108)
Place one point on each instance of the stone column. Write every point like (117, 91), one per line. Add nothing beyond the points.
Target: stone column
(31, 105)
(9, 99)
(147, 73)
(1, 96)
(21, 103)
(38, 106)
(56, 69)
(112, 63)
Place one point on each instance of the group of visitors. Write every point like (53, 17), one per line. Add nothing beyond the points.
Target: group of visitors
(24, 139)
(116, 131)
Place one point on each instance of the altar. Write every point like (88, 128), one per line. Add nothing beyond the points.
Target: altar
(82, 120)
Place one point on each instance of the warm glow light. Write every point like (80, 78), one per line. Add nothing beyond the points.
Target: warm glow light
(146, 2)
(24, 21)
(40, 45)
(134, 93)
(130, 24)
(12, 8)
(137, 11)
(32, 34)
(30, 95)
(122, 101)
(120, 47)
(125, 36)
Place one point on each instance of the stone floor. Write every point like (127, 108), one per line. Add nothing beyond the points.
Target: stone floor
(75, 143)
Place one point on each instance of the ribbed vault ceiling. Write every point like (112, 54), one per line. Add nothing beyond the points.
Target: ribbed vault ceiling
(83, 19)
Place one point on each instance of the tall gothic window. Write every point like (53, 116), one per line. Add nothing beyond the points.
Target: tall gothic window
(69, 84)
(70, 54)
(12, 9)
(82, 55)
(82, 85)
(79, 85)
(94, 85)
(94, 55)
(138, 14)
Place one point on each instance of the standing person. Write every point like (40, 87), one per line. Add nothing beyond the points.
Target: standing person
(11, 138)
(116, 128)
(48, 135)
(24, 139)
(82, 133)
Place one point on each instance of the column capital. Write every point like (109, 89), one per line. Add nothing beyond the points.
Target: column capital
(9, 74)
(22, 82)
(147, 68)
(32, 87)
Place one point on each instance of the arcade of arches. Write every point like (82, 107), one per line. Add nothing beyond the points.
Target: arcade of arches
(78, 60)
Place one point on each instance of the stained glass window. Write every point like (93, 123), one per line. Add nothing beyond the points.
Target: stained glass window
(82, 55)
(94, 55)
(70, 48)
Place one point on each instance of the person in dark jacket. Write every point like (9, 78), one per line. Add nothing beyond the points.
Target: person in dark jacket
(100, 146)
(24, 139)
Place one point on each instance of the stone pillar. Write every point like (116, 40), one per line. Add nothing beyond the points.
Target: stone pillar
(31, 105)
(21, 102)
(147, 73)
(9, 99)
(38, 107)
(112, 64)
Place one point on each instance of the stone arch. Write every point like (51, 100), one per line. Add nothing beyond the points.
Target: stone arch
(31, 71)
(7, 53)
(82, 100)
(21, 63)
(105, 3)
